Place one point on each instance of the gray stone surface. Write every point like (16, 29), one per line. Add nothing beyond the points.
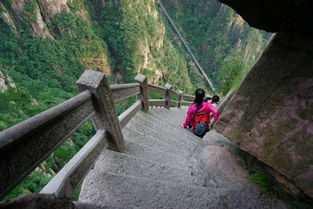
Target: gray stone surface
(250, 196)
(156, 88)
(225, 100)
(146, 152)
(170, 115)
(120, 163)
(123, 91)
(185, 147)
(121, 190)
(105, 116)
(127, 191)
(175, 116)
(165, 167)
(155, 143)
(167, 95)
(180, 98)
(37, 201)
(128, 114)
(168, 129)
(216, 139)
(178, 141)
(144, 95)
(81, 205)
(184, 139)
(216, 167)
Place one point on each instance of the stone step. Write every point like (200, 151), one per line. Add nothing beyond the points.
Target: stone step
(81, 205)
(178, 142)
(164, 113)
(119, 163)
(217, 139)
(171, 120)
(145, 152)
(128, 191)
(175, 116)
(155, 143)
(167, 129)
(155, 122)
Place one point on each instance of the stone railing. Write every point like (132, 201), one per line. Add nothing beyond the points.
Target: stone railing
(25, 145)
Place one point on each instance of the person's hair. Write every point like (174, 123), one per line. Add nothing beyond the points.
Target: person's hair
(206, 99)
(215, 99)
(200, 94)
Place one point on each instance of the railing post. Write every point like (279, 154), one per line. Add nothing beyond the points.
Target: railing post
(180, 99)
(105, 116)
(144, 94)
(167, 96)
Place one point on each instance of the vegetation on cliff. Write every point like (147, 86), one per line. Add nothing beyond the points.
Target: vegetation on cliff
(225, 46)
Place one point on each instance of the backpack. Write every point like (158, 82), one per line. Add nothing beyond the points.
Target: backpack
(201, 123)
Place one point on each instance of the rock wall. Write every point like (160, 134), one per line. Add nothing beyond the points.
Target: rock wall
(6, 82)
(271, 114)
(277, 15)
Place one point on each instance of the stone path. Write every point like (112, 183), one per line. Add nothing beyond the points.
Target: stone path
(165, 166)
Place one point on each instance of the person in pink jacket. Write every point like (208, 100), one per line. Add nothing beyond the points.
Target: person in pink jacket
(200, 111)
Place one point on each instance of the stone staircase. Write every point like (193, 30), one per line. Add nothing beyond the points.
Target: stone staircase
(165, 166)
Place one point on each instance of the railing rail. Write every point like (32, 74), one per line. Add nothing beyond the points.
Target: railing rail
(175, 94)
(124, 91)
(71, 175)
(190, 97)
(24, 146)
(156, 89)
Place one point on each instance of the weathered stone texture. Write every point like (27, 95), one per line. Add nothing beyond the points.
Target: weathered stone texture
(186, 173)
(37, 137)
(5, 16)
(271, 114)
(6, 82)
(276, 15)
(3, 86)
(39, 26)
(144, 96)
(37, 201)
(105, 116)
(225, 100)
(50, 8)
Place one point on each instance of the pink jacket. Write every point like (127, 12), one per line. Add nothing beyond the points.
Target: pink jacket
(192, 110)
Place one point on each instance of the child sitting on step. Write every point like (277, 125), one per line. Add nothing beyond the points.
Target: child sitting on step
(198, 115)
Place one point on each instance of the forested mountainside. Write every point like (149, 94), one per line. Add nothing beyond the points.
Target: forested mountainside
(45, 45)
(225, 45)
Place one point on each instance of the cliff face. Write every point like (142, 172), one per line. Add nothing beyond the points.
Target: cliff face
(117, 37)
(46, 44)
(138, 42)
(218, 36)
(270, 116)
